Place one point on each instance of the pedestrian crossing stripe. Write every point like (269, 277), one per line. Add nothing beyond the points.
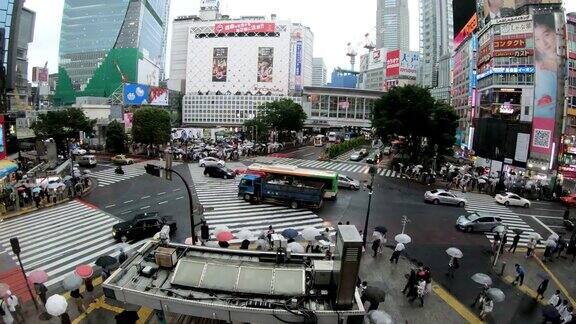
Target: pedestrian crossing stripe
(235, 213)
(58, 239)
(486, 204)
(108, 177)
(329, 165)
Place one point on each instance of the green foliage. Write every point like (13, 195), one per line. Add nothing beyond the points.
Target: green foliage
(338, 149)
(283, 115)
(62, 125)
(410, 111)
(151, 126)
(256, 128)
(116, 138)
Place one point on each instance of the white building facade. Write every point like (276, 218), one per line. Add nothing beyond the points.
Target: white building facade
(392, 24)
(318, 72)
(436, 37)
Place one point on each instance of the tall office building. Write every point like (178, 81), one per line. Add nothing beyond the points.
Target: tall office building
(392, 24)
(318, 72)
(106, 42)
(436, 36)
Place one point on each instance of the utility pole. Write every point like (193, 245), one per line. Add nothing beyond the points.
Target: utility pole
(370, 192)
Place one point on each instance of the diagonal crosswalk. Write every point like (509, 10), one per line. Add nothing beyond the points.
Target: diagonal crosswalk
(58, 239)
(226, 209)
(327, 165)
(108, 177)
(486, 204)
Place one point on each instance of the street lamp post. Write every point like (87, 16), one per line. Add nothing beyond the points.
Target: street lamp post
(370, 187)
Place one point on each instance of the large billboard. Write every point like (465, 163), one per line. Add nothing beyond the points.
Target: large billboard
(409, 63)
(220, 64)
(39, 74)
(135, 94)
(244, 27)
(158, 96)
(495, 9)
(265, 64)
(466, 31)
(298, 68)
(392, 63)
(546, 61)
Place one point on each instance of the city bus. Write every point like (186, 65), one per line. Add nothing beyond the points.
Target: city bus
(319, 140)
(328, 178)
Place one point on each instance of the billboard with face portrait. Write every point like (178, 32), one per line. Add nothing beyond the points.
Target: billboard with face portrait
(265, 64)
(494, 9)
(546, 61)
(220, 64)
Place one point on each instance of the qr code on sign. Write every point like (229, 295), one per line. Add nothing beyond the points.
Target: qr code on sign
(542, 138)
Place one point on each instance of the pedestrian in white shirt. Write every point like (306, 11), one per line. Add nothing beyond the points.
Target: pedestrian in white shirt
(487, 308)
(396, 254)
(567, 318)
(5, 312)
(555, 299)
(14, 306)
(562, 308)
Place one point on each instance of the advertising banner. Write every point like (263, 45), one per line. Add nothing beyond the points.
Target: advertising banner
(265, 64)
(392, 63)
(2, 139)
(220, 64)
(298, 71)
(495, 9)
(468, 29)
(185, 134)
(545, 86)
(409, 63)
(135, 94)
(523, 27)
(39, 74)
(158, 96)
(516, 42)
(128, 118)
(515, 53)
(252, 27)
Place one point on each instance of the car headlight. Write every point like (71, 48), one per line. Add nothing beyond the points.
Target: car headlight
(113, 232)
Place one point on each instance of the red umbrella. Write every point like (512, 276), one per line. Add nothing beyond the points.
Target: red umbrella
(84, 271)
(224, 236)
(38, 276)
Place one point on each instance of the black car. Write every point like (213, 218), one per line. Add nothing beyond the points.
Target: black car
(219, 172)
(141, 226)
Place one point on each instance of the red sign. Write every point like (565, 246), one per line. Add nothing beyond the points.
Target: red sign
(509, 43)
(466, 31)
(393, 63)
(568, 171)
(515, 53)
(230, 28)
(484, 54)
(572, 55)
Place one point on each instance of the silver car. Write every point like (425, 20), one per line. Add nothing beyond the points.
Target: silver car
(347, 182)
(478, 222)
(441, 196)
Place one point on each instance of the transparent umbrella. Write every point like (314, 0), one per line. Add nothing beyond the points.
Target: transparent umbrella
(72, 281)
(56, 305)
(295, 247)
(245, 235)
(309, 233)
(495, 294)
(454, 252)
(379, 317)
(482, 278)
(403, 238)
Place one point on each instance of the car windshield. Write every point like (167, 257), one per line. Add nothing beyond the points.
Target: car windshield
(472, 217)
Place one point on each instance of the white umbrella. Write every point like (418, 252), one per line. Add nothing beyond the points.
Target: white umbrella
(245, 235)
(379, 317)
(56, 305)
(220, 229)
(454, 252)
(309, 233)
(495, 294)
(295, 247)
(377, 236)
(553, 237)
(403, 238)
(53, 185)
(482, 279)
(535, 236)
(481, 181)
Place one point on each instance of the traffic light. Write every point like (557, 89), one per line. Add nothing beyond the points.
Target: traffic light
(152, 170)
(15, 245)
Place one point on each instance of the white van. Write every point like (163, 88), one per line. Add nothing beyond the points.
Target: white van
(86, 160)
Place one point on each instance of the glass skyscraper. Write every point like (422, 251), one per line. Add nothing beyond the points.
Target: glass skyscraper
(103, 42)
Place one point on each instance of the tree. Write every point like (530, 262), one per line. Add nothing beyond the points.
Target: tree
(429, 126)
(63, 125)
(151, 126)
(283, 115)
(116, 138)
(256, 129)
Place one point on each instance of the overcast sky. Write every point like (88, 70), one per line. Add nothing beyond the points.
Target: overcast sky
(334, 24)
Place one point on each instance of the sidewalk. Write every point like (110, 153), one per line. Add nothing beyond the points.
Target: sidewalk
(439, 305)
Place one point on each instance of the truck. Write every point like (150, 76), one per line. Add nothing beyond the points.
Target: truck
(255, 188)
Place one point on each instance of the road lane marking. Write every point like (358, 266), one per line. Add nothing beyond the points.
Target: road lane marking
(109, 206)
(542, 216)
(144, 197)
(163, 192)
(179, 198)
(543, 225)
(527, 290)
(145, 207)
(128, 201)
(162, 202)
(310, 154)
(177, 189)
(456, 305)
(126, 212)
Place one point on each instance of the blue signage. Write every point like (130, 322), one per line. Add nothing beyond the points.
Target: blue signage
(507, 70)
(298, 71)
(135, 94)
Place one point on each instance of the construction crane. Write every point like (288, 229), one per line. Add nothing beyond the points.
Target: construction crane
(122, 75)
(351, 52)
(365, 43)
(368, 43)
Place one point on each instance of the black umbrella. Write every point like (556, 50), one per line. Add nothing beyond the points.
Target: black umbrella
(374, 294)
(106, 261)
(517, 231)
(381, 229)
(551, 313)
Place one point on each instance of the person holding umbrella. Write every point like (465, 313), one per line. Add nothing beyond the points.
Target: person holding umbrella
(14, 306)
(375, 246)
(487, 307)
(41, 291)
(78, 300)
(515, 241)
(397, 251)
(542, 288)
